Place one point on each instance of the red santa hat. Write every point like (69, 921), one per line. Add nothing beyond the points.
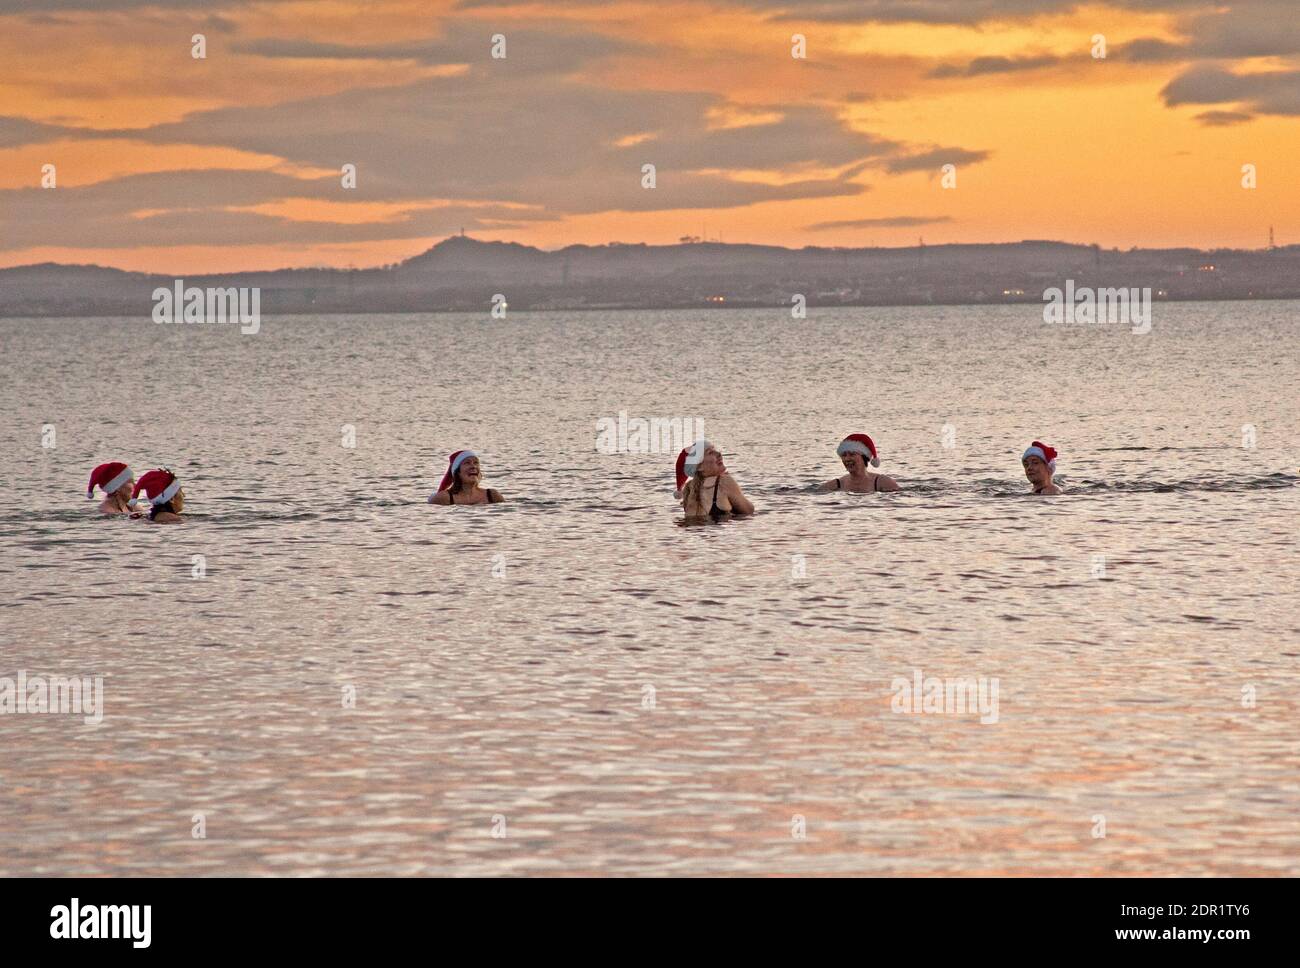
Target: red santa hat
(108, 478)
(457, 458)
(159, 485)
(1042, 451)
(689, 459)
(859, 444)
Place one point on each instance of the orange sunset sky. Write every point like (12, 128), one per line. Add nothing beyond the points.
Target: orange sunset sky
(171, 163)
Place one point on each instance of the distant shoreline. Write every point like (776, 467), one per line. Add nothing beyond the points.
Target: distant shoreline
(461, 274)
(711, 307)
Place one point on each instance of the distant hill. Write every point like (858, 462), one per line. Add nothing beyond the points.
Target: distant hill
(462, 274)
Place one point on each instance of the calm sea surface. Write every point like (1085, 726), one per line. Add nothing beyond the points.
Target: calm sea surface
(575, 683)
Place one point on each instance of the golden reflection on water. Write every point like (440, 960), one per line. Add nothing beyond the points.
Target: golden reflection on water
(522, 696)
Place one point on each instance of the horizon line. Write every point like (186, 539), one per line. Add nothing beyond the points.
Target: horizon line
(649, 245)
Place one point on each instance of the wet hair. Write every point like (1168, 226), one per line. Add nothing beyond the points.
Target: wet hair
(166, 505)
(693, 492)
(158, 508)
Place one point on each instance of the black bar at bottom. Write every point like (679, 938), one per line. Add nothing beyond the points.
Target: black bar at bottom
(338, 917)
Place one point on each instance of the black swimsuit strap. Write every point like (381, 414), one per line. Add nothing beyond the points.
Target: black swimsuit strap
(716, 512)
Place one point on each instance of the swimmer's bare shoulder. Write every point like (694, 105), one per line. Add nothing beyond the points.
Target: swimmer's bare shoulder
(739, 503)
(884, 483)
(442, 497)
(167, 517)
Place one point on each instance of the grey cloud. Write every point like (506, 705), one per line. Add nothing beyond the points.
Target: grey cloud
(1267, 92)
(99, 6)
(995, 65)
(1151, 50)
(526, 49)
(862, 11)
(1222, 119)
(16, 132)
(540, 141)
(935, 159)
(522, 130)
(893, 221)
(1226, 36)
(193, 206)
(537, 140)
(910, 11)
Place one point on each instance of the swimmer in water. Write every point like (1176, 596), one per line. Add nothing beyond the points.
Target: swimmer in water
(166, 499)
(116, 481)
(856, 452)
(1040, 464)
(460, 483)
(702, 475)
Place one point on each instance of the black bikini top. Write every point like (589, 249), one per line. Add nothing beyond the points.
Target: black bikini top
(716, 512)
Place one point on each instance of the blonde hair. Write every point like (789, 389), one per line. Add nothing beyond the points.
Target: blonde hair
(693, 494)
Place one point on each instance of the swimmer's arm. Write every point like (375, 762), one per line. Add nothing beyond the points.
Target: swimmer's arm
(828, 486)
(442, 497)
(884, 483)
(168, 518)
(739, 503)
(494, 496)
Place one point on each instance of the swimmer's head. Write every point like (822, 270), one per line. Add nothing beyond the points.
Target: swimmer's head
(856, 452)
(1039, 461)
(854, 462)
(455, 478)
(159, 485)
(711, 464)
(469, 473)
(699, 460)
(113, 478)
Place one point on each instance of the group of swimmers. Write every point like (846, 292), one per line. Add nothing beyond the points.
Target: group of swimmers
(701, 473)
(704, 487)
(706, 490)
(122, 492)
